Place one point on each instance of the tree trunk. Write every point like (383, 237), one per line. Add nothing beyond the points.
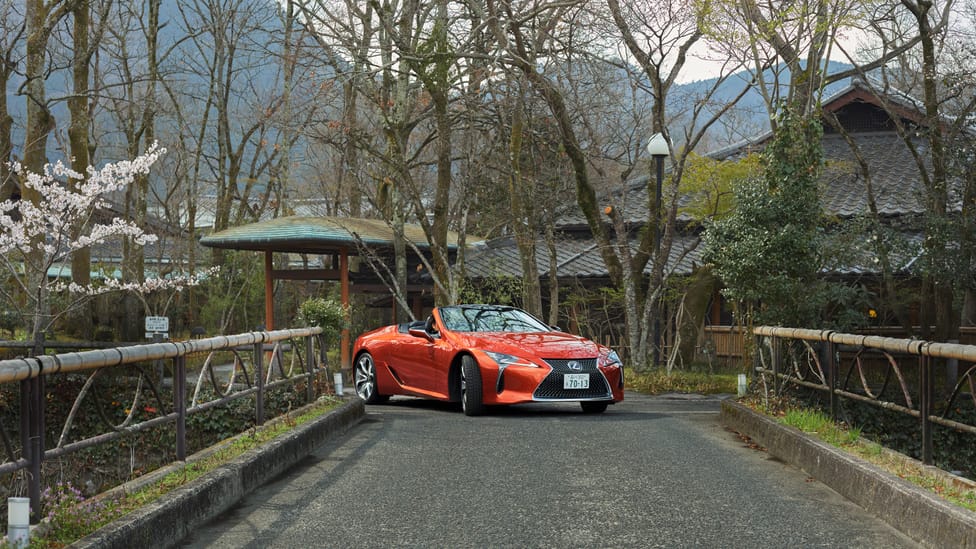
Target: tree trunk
(969, 308)
(697, 297)
(134, 255)
(553, 274)
(521, 196)
(348, 176)
(400, 255)
(39, 125)
(442, 194)
(81, 320)
(946, 321)
(8, 184)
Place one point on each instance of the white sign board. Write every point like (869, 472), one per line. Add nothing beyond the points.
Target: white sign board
(157, 325)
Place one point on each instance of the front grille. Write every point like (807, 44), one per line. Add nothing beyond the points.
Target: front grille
(562, 365)
(551, 387)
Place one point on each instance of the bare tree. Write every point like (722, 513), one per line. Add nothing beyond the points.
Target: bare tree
(408, 60)
(789, 45)
(128, 82)
(42, 19)
(85, 37)
(660, 35)
(940, 75)
(12, 27)
(529, 33)
(226, 51)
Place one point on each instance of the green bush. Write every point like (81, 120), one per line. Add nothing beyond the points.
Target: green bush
(233, 301)
(10, 321)
(658, 381)
(328, 314)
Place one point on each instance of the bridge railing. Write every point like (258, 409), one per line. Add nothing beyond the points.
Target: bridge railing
(230, 367)
(932, 382)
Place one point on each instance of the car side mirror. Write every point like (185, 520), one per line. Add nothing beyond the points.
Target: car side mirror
(556, 328)
(416, 332)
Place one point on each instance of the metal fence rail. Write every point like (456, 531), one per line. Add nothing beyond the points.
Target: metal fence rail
(894, 374)
(294, 356)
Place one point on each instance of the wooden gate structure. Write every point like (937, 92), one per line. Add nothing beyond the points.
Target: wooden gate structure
(335, 240)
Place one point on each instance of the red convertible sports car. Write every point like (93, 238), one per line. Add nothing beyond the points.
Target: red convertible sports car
(483, 355)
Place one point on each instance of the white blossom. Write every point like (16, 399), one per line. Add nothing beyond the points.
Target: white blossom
(34, 238)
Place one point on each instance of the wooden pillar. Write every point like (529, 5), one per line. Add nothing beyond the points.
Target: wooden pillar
(715, 314)
(344, 285)
(268, 291)
(418, 306)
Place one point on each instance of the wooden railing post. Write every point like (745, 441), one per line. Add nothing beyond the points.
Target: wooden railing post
(259, 381)
(179, 404)
(309, 368)
(32, 439)
(925, 406)
(33, 450)
(774, 361)
(829, 361)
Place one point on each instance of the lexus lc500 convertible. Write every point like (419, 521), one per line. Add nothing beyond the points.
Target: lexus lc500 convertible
(485, 355)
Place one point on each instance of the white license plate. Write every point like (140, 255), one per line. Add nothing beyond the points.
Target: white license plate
(576, 381)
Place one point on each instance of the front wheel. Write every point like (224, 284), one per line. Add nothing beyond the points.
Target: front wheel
(594, 407)
(365, 378)
(471, 395)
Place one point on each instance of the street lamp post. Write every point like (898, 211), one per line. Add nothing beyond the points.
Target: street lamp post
(657, 147)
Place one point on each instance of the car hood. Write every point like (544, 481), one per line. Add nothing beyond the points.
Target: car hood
(539, 344)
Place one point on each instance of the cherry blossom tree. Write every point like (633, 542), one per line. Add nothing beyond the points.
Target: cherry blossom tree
(37, 239)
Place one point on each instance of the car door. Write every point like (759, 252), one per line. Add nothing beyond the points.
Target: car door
(417, 354)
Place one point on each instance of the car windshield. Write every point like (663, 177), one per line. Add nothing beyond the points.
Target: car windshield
(490, 319)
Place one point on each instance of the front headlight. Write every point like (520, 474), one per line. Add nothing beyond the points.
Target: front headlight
(504, 361)
(612, 359)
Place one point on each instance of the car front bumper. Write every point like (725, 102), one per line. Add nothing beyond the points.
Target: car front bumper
(519, 384)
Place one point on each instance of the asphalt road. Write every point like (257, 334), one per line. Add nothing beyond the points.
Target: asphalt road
(650, 472)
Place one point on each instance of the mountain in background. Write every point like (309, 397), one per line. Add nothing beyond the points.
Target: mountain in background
(748, 119)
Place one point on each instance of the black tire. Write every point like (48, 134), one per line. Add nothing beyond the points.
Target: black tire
(364, 376)
(471, 394)
(594, 406)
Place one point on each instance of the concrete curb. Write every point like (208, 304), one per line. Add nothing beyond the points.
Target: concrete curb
(168, 520)
(917, 513)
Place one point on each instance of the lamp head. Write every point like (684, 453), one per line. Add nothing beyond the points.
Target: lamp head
(658, 145)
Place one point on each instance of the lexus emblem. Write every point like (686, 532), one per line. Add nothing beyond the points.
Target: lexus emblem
(574, 365)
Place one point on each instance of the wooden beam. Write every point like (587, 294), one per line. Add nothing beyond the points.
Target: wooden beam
(377, 288)
(268, 291)
(307, 274)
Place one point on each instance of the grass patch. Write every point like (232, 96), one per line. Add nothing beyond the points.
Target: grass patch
(658, 381)
(70, 518)
(818, 424)
(815, 422)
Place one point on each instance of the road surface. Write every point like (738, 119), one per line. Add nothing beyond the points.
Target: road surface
(650, 472)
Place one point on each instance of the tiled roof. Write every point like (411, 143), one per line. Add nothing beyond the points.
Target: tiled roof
(575, 258)
(896, 184)
(313, 234)
(894, 176)
(895, 180)
(580, 258)
(633, 201)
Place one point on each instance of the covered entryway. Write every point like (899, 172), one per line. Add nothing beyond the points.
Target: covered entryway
(338, 241)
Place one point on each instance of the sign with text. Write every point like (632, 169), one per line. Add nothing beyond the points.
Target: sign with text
(157, 325)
